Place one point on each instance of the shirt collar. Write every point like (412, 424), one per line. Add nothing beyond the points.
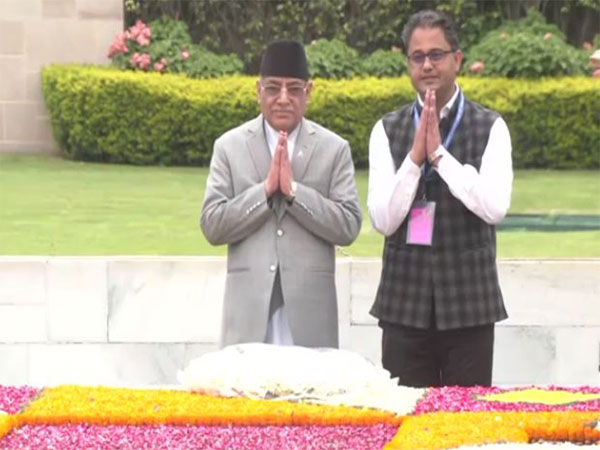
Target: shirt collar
(273, 136)
(448, 106)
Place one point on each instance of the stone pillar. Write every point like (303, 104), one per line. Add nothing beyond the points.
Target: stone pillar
(35, 33)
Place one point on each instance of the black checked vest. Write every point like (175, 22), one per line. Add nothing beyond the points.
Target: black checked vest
(453, 283)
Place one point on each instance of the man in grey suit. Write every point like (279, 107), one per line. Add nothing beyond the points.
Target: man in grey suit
(281, 194)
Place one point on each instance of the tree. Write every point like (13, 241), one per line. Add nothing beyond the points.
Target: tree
(245, 27)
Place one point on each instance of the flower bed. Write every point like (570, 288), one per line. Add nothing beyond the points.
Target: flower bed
(169, 437)
(551, 398)
(79, 417)
(117, 406)
(452, 430)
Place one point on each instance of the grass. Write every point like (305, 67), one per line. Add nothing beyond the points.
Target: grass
(51, 206)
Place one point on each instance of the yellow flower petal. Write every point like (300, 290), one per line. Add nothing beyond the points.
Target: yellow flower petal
(7, 423)
(117, 406)
(444, 430)
(540, 396)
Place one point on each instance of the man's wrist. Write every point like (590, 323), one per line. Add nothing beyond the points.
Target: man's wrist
(436, 155)
(268, 190)
(415, 159)
(292, 194)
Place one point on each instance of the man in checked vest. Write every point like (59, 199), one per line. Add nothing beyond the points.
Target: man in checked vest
(440, 178)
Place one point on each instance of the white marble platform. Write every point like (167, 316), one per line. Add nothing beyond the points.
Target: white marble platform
(138, 320)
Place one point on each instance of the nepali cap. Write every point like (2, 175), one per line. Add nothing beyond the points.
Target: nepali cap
(285, 59)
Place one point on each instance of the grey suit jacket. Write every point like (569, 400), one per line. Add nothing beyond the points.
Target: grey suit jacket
(263, 236)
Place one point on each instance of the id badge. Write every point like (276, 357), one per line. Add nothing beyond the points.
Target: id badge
(420, 223)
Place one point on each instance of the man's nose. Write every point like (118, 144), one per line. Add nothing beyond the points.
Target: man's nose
(283, 95)
(427, 65)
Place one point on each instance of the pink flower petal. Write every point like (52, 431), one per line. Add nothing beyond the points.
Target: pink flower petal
(84, 437)
(13, 398)
(456, 399)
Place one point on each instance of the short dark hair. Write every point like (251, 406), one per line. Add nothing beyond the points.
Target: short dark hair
(431, 19)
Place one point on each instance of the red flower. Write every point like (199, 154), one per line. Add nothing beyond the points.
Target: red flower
(477, 67)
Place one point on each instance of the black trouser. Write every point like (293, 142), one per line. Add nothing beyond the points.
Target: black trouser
(431, 357)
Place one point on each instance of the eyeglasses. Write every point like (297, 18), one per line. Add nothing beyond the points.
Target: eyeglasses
(417, 59)
(275, 90)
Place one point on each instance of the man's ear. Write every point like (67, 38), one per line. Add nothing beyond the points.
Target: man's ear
(309, 88)
(258, 91)
(459, 56)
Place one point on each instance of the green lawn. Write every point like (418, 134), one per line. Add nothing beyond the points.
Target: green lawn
(50, 206)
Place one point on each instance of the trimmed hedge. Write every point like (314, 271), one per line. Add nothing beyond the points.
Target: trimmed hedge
(108, 115)
(103, 114)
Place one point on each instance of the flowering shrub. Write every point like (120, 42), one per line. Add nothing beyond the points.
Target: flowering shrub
(130, 48)
(331, 59)
(384, 63)
(524, 54)
(335, 59)
(526, 48)
(165, 46)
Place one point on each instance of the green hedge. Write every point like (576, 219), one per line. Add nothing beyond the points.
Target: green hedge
(102, 114)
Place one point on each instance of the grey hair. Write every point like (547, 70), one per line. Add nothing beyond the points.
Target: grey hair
(431, 19)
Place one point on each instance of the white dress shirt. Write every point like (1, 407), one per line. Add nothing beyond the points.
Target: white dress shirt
(485, 193)
(273, 138)
(278, 328)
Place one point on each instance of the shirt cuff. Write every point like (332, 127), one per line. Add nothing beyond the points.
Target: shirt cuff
(443, 156)
(409, 166)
